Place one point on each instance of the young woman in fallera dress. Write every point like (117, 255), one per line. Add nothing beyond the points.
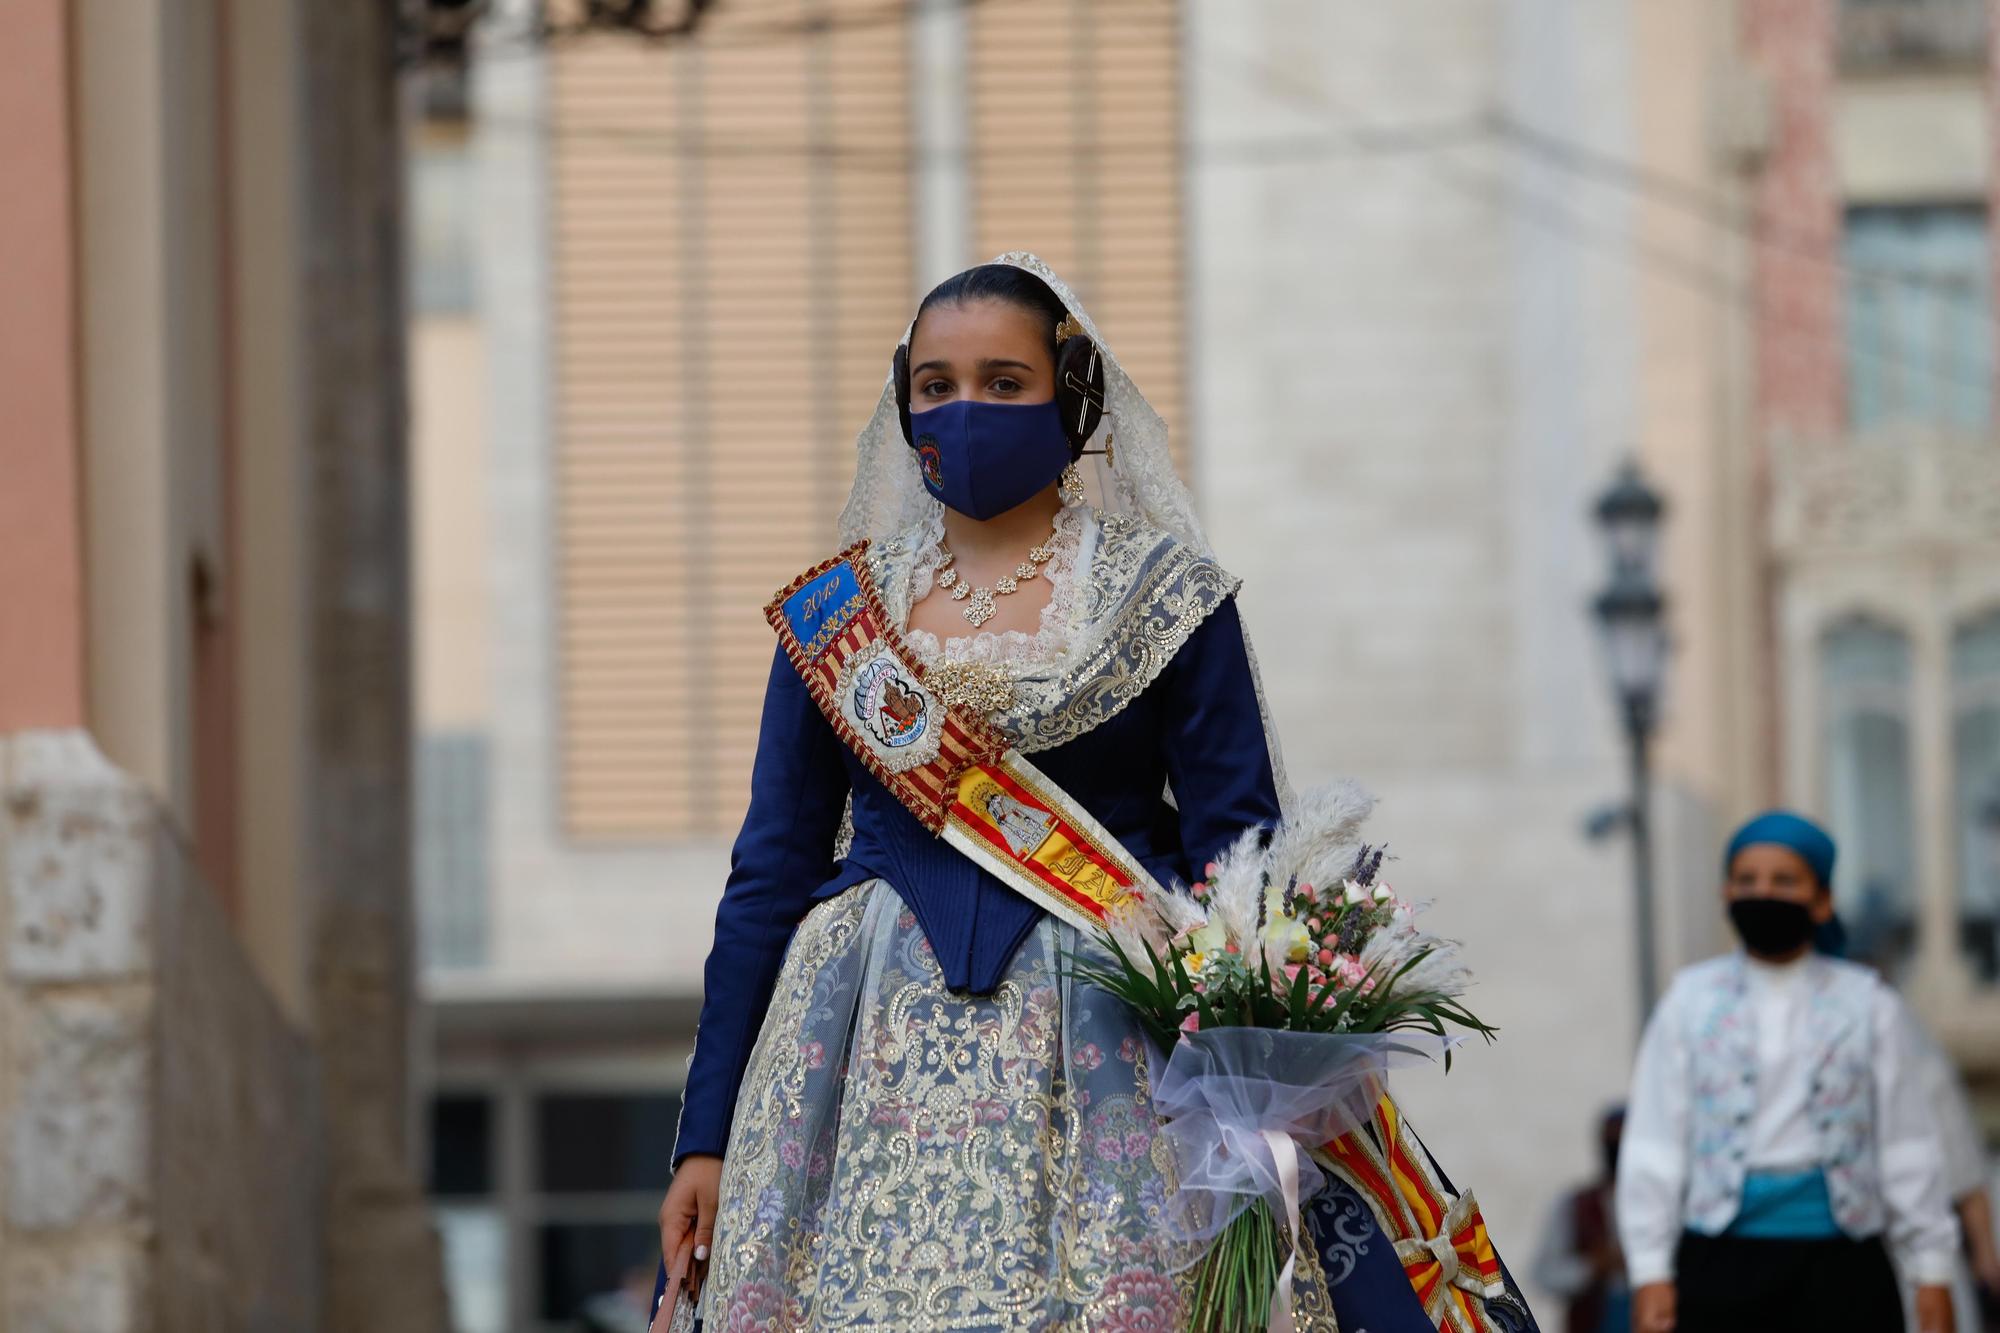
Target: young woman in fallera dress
(902, 1113)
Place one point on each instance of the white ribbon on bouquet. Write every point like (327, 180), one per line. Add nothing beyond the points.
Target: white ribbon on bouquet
(1240, 1103)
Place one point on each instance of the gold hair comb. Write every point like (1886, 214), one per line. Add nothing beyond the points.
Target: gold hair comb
(1071, 327)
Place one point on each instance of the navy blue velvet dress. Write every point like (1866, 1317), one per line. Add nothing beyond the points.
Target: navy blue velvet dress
(924, 1122)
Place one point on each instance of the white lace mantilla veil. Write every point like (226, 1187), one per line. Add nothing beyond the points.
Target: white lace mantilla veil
(1134, 477)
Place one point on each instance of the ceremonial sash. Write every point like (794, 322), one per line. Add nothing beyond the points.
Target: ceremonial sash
(1440, 1238)
(950, 768)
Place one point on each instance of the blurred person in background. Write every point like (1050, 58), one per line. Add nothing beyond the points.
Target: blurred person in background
(1579, 1259)
(1778, 1143)
(898, 1112)
(1976, 1280)
(627, 1309)
(1975, 1286)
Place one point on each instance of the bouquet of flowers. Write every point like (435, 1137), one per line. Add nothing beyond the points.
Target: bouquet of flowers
(1282, 985)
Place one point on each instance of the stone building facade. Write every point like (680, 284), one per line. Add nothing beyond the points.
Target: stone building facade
(1876, 190)
(1409, 282)
(205, 993)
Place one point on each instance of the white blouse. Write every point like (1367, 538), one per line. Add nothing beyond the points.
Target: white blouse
(1653, 1155)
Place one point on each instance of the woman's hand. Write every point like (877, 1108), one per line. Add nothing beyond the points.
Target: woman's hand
(1934, 1313)
(1653, 1308)
(687, 1225)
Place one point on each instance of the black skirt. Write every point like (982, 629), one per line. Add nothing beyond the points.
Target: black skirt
(1731, 1285)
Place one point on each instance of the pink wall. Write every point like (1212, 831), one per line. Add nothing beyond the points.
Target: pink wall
(41, 585)
(1801, 384)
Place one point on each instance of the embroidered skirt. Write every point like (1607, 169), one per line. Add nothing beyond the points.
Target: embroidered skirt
(906, 1157)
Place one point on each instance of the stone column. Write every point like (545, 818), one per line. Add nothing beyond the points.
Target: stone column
(1939, 972)
(383, 1271)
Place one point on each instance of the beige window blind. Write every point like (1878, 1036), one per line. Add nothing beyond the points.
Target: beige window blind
(731, 241)
(1076, 114)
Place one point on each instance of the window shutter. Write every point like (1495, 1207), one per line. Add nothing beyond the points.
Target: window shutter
(1076, 156)
(731, 268)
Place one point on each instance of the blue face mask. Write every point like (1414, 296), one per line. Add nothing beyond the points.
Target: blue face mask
(983, 459)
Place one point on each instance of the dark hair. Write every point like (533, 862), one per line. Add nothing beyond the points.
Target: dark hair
(1001, 282)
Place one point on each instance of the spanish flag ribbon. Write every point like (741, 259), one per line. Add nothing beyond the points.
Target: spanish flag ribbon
(1440, 1238)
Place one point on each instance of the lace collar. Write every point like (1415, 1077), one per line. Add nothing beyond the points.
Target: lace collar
(1134, 595)
(1017, 650)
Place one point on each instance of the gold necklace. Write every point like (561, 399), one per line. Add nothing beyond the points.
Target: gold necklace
(981, 608)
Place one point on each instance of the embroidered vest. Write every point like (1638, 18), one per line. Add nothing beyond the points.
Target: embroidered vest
(1721, 1039)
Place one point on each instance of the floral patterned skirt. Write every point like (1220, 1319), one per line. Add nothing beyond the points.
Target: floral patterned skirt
(906, 1157)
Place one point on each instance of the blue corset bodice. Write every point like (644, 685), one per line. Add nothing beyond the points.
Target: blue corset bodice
(1196, 729)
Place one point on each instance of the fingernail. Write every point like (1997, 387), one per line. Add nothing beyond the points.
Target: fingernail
(701, 1251)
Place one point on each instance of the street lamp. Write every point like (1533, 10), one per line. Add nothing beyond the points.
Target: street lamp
(1631, 618)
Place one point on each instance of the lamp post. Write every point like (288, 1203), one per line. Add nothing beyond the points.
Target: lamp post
(1631, 619)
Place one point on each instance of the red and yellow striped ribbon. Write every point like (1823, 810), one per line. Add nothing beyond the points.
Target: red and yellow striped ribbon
(1440, 1239)
(975, 791)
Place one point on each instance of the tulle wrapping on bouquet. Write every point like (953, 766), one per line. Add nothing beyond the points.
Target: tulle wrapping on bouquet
(1225, 1091)
(1245, 1110)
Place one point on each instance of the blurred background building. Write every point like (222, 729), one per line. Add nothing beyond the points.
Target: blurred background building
(1410, 282)
(205, 883)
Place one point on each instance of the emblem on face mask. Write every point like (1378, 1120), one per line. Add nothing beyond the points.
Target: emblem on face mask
(982, 459)
(897, 717)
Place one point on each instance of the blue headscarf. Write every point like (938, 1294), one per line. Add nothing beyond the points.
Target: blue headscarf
(1815, 847)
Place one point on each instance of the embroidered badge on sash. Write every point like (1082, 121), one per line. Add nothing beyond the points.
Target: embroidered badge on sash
(947, 766)
(901, 720)
(821, 607)
(838, 636)
(1007, 812)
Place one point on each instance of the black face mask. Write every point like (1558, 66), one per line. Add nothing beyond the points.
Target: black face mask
(1771, 927)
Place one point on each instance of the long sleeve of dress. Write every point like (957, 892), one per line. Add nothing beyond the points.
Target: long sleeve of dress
(1922, 1230)
(1218, 758)
(798, 786)
(1652, 1156)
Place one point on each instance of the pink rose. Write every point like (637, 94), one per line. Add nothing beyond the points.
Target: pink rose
(1192, 1023)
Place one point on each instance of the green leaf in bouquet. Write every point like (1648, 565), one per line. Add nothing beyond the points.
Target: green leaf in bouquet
(1296, 1001)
